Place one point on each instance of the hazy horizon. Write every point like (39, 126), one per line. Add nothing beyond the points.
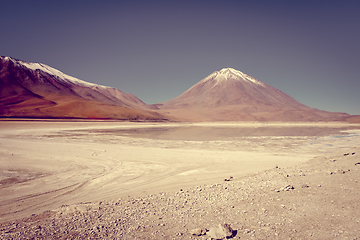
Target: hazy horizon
(157, 50)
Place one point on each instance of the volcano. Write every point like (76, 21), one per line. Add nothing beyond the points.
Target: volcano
(231, 95)
(36, 90)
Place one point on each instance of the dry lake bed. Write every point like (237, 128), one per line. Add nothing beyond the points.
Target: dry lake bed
(48, 164)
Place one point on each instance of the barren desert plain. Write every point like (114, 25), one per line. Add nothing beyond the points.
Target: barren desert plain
(168, 180)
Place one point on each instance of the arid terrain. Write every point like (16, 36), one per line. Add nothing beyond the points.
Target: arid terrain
(127, 180)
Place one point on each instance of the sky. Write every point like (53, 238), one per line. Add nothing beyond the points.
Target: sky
(156, 50)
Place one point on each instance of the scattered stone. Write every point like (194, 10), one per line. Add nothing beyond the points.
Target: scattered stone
(228, 179)
(346, 154)
(198, 232)
(244, 203)
(286, 188)
(333, 160)
(222, 231)
(353, 153)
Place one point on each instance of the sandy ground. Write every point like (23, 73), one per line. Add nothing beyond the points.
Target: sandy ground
(46, 165)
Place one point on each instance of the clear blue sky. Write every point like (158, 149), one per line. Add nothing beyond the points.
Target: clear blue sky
(158, 49)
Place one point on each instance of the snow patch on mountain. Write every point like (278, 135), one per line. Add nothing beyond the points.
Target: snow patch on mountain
(55, 72)
(51, 71)
(226, 74)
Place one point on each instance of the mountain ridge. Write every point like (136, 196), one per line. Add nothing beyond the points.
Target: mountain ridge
(37, 90)
(64, 80)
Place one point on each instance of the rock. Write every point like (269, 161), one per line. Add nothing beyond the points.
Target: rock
(286, 188)
(228, 179)
(198, 232)
(222, 231)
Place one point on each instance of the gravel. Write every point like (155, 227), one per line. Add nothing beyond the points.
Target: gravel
(299, 202)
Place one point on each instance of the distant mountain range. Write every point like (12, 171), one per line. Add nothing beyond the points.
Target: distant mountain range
(35, 90)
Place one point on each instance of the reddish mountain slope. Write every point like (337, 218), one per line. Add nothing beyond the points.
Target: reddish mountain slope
(230, 95)
(37, 90)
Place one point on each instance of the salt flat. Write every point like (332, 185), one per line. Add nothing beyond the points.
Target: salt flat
(47, 164)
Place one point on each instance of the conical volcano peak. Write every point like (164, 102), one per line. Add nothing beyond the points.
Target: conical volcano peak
(229, 94)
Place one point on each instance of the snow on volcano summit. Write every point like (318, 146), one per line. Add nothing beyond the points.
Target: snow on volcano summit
(231, 73)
